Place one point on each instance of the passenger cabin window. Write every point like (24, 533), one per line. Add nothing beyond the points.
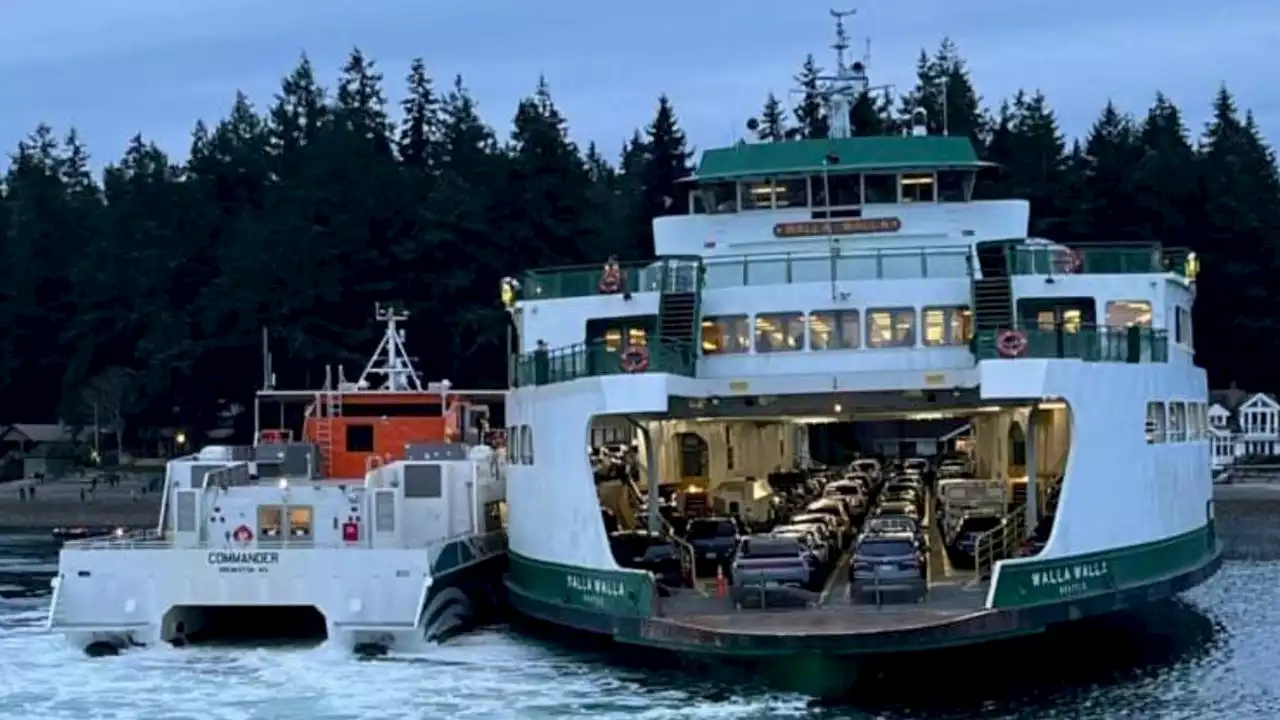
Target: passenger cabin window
(880, 189)
(526, 445)
(947, 326)
(513, 445)
(1128, 313)
(270, 521)
(918, 187)
(1071, 320)
(615, 339)
(359, 438)
(725, 335)
(1182, 326)
(891, 327)
(779, 332)
(834, 330)
(1155, 423)
(301, 520)
(1177, 422)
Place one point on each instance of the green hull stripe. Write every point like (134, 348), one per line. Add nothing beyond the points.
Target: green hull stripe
(1071, 578)
(623, 594)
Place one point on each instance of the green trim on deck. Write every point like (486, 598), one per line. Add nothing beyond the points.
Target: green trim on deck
(1091, 343)
(1071, 578)
(1109, 259)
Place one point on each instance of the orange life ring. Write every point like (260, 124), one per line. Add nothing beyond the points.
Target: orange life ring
(1011, 343)
(1070, 261)
(610, 280)
(635, 359)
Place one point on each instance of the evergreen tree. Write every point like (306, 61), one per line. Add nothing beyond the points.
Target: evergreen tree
(811, 113)
(773, 121)
(666, 163)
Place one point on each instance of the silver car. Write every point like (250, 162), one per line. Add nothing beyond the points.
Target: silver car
(764, 566)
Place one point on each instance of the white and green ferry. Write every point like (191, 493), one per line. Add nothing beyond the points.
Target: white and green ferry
(848, 279)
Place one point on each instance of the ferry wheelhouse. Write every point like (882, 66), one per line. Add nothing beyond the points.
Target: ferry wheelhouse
(839, 329)
(379, 525)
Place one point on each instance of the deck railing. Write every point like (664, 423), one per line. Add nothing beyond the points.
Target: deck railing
(1100, 259)
(1092, 343)
(999, 542)
(543, 367)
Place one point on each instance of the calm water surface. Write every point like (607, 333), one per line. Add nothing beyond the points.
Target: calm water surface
(1212, 655)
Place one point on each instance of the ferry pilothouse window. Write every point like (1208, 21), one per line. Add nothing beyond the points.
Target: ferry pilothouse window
(715, 199)
(845, 190)
(1177, 422)
(1155, 423)
(891, 327)
(301, 520)
(1128, 313)
(918, 187)
(726, 335)
(756, 195)
(526, 445)
(790, 193)
(779, 332)
(955, 186)
(880, 189)
(947, 326)
(834, 330)
(270, 521)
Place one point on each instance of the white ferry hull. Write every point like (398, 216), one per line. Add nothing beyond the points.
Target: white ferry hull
(107, 598)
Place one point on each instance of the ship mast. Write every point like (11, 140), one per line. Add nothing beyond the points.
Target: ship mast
(841, 90)
(390, 360)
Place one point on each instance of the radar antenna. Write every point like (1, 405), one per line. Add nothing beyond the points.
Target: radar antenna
(390, 359)
(841, 90)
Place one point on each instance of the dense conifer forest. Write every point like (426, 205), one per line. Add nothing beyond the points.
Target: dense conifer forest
(144, 291)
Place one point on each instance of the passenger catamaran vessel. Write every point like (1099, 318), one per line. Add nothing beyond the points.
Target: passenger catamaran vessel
(850, 410)
(379, 526)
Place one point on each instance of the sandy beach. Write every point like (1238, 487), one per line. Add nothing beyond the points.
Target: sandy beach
(58, 503)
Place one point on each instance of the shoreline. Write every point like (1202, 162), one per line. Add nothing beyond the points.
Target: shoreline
(59, 503)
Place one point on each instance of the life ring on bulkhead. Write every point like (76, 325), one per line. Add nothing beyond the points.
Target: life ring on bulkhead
(242, 534)
(1011, 343)
(1068, 261)
(610, 279)
(634, 359)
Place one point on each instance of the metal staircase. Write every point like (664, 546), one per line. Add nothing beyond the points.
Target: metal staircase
(679, 308)
(993, 291)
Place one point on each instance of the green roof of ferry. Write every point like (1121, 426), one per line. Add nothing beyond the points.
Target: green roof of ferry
(857, 154)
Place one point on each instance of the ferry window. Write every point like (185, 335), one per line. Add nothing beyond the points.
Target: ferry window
(845, 190)
(1195, 423)
(790, 192)
(1128, 313)
(779, 332)
(423, 481)
(359, 438)
(270, 521)
(891, 327)
(1182, 326)
(526, 445)
(513, 445)
(1177, 422)
(715, 199)
(954, 186)
(917, 187)
(881, 189)
(612, 340)
(725, 335)
(1048, 320)
(384, 511)
(1155, 423)
(947, 326)
(756, 195)
(300, 517)
(637, 337)
(834, 330)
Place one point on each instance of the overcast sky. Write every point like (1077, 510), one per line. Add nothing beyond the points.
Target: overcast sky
(113, 68)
